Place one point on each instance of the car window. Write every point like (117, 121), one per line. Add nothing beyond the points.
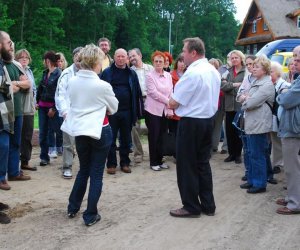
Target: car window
(277, 58)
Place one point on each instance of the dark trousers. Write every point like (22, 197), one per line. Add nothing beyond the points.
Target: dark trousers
(156, 125)
(27, 132)
(172, 125)
(92, 155)
(194, 177)
(44, 122)
(120, 122)
(234, 142)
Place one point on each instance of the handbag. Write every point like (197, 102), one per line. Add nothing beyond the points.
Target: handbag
(168, 144)
(239, 121)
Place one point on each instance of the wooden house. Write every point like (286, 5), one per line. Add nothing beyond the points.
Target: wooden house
(269, 20)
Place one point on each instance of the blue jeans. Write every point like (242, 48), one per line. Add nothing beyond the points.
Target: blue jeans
(44, 122)
(246, 152)
(258, 158)
(4, 152)
(92, 155)
(120, 122)
(14, 148)
(55, 139)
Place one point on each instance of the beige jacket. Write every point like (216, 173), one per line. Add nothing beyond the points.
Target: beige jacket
(258, 114)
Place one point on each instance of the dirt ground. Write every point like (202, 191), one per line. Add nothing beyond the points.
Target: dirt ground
(135, 213)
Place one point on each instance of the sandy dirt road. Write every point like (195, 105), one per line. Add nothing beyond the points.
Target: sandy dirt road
(135, 213)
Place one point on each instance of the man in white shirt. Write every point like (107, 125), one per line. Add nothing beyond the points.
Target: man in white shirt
(141, 69)
(62, 102)
(195, 100)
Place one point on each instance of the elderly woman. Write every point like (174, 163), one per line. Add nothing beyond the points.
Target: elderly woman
(159, 89)
(289, 131)
(279, 83)
(258, 124)
(230, 86)
(24, 58)
(91, 99)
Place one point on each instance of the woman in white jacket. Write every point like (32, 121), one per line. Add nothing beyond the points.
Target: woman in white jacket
(91, 100)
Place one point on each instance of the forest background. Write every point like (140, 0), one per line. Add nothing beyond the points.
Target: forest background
(42, 25)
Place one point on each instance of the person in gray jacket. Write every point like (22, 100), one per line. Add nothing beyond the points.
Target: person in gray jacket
(62, 102)
(257, 105)
(289, 131)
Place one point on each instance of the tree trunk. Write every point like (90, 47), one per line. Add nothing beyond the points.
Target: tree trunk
(23, 21)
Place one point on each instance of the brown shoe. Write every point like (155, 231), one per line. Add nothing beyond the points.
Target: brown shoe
(126, 169)
(286, 211)
(20, 177)
(181, 212)
(27, 167)
(111, 170)
(4, 185)
(281, 202)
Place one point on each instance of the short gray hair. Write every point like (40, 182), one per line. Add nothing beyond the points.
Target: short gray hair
(277, 67)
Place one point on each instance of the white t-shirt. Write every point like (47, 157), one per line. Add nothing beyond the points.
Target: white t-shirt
(197, 91)
(141, 73)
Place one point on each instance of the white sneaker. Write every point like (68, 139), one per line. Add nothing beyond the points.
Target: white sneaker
(67, 173)
(52, 154)
(155, 168)
(164, 166)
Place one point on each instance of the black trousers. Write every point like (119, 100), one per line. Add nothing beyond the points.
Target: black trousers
(26, 137)
(157, 125)
(234, 142)
(194, 177)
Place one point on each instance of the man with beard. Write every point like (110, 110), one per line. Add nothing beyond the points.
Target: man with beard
(62, 102)
(19, 83)
(105, 45)
(6, 127)
(141, 69)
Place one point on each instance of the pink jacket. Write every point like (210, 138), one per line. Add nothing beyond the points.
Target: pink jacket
(159, 90)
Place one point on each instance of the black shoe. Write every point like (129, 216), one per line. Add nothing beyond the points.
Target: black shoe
(223, 152)
(238, 160)
(272, 181)
(244, 178)
(96, 219)
(246, 186)
(3, 206)
(71, 215)
(44, 163)
(4, 219)
(276, 170)
(255, 190)
(229, 158)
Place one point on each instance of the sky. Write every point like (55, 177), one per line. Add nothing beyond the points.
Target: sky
(242, 7)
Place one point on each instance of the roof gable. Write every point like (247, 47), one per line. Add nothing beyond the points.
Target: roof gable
(277, 14)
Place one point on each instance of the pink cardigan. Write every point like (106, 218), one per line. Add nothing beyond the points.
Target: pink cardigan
(159, 90)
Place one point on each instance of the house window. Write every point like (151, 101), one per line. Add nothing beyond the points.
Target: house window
(266, 26)
(254, 26)
(298, 22)
(248, 49)
(254, 49)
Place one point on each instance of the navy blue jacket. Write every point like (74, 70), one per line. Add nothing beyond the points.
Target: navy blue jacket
(137, 107)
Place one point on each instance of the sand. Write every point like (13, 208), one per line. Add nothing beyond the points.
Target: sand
(135, 213)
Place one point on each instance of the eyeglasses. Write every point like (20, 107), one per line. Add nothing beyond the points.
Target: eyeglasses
(24, 57)
(158, 61)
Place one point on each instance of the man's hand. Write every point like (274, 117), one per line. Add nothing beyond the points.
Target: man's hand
(236, 84)
(173, 104)
(23, 78)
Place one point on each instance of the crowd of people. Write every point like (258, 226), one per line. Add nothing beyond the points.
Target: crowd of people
(98, 102)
